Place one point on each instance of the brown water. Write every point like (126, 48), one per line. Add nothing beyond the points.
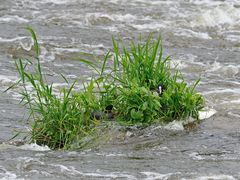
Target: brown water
(203, 38)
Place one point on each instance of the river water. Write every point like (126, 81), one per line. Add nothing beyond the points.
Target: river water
(202, 37)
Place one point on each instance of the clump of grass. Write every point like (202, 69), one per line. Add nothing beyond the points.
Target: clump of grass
(143, 88)
(137, 87)
(57, 120)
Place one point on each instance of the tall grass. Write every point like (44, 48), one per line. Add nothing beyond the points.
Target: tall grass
(57, 120)
(143, 64)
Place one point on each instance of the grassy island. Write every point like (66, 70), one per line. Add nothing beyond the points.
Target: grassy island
(134, 85)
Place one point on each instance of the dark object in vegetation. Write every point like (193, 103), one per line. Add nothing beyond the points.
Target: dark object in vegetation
(101, 115)
(160, 89)
(109, 108)
(98, 115)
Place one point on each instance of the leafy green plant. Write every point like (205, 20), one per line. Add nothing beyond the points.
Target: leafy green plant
(180, 102)
(143, 90)
(138, 105)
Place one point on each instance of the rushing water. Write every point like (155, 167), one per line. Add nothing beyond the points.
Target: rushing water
(203, 38)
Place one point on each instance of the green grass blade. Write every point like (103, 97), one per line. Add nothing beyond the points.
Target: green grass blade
(105, 62)
(36, 45)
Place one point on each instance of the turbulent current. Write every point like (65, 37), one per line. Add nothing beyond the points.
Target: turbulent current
(203, 39)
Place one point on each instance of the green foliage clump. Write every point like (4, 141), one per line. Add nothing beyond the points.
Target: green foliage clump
(137, 84)
(180, 102)
(138, 105)
(57, 120)
(143, 88)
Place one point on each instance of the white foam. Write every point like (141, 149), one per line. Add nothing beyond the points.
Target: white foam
(220, 15)
(154, 175)
(150, 26)
(196, 156)
(234, 114)
(111, 154)
(15, 18)
(237, 101)
(216, 177)
(98, 174)
(221, 91)
(7, 80)
(46, 56)
(7, 175)
(191, 33)
(67, 49)
(27, 45)
(58, 2)
(214, 66)
(177, 63)
(16, 96)
(63, 65)
(11, 39)
(211, 3)
(226, 70)
(70, 170)
(233, 38)
(59, 85)
(175, 126)
(178, 125)
(34, 147)
(126, 18)
(206, 113)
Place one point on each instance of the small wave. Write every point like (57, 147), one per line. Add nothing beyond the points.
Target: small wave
(7, 80)
(225, 70)
(34, 147)
(150, 26)
(106, 154)
(222, 91)
(7, 175)
(215, 177)
(217, 16)
(196, 156)
(18, 145)
(57, 2)
(26, 45)
(191, 33)
(70, 170)
(96, 18)
(234, 114)
(11, 39)
(154, 175)
(15, 19)
(206, 2)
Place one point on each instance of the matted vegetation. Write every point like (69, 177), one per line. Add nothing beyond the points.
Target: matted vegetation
(134, 85)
